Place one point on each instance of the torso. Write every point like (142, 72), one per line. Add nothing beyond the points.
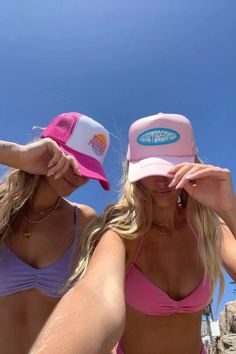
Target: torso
(23, 313)
(171, 264)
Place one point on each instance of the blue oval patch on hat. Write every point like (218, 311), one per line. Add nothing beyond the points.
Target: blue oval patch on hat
(158, 136)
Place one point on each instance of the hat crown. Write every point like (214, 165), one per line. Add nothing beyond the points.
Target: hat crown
(161, 135)
(79, 133)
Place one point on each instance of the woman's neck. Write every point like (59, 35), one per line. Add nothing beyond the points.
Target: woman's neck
(44, 197)
(166, 216)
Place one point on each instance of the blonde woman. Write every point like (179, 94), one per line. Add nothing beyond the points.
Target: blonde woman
(39, 228)
(159, 249)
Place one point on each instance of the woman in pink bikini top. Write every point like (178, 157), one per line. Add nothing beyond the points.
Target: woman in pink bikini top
(169, 229)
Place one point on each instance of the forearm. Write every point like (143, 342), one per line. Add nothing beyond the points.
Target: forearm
(82, 323)
(228, 250)
(229, 218)
(10, 153)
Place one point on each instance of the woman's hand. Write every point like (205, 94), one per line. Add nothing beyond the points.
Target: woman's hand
(45, 157)
(208, 184)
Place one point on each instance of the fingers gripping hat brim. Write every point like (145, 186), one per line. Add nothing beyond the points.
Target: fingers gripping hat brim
(154, 166)
(89, 167)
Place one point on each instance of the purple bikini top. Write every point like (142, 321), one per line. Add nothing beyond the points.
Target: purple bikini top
(16, 275)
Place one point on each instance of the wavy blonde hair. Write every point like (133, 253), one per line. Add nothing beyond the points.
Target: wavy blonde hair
(132, 217)
(16, 188)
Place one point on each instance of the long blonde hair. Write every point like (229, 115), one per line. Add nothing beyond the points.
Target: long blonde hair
(16, 188)
(132, 217)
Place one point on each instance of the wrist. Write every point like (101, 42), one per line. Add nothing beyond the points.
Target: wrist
(10, 154)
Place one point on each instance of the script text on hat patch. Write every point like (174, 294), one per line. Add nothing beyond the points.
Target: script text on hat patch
(98, 144)
(158, 136)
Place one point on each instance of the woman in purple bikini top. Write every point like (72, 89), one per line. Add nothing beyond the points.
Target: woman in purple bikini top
(39, 228)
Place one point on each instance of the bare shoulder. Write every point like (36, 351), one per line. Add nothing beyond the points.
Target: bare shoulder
(111, 238)
(110, 244)
(86, 211)
(86, 215)
(109, 255)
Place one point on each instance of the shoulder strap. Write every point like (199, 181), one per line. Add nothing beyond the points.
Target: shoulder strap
(192, 229)
(76, 222)
(140, 243)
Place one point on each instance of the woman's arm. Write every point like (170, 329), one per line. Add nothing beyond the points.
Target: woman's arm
(90, 318)
(9, 153)
(229, 218)
(228, 251)
(213, 188)
(43, 157)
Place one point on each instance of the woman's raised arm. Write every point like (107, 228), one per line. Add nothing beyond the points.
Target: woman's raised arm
(43, 157)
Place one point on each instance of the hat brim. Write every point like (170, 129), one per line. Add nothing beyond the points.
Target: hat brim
(89, 167)
(154, 166)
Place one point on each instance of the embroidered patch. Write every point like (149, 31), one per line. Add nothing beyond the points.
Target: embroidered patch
(98, 144)
(158, 136)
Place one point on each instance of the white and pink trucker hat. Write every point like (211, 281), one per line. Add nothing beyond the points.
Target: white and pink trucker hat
(157, 143)
(83, 138)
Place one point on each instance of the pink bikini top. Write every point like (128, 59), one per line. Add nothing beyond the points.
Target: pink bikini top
(145, 297)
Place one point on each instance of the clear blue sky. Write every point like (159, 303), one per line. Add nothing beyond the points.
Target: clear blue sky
(117, 61)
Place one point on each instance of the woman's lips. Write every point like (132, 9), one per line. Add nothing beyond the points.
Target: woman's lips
(164, 192)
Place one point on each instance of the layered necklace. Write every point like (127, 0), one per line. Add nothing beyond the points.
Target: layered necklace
(28, 230)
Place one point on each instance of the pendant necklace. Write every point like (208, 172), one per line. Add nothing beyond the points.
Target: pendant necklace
(28, 230)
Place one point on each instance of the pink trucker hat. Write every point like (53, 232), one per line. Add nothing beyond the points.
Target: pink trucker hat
(83, 138)
(157, 143)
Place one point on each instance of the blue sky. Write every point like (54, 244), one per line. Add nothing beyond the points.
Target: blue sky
(117, 61)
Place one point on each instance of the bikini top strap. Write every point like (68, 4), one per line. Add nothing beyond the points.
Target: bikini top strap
(140, 243)
(76, 222)
(192, 229)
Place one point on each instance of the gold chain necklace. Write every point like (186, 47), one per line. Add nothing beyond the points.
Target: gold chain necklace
(158, 226)
(28, 229)
(42, 211)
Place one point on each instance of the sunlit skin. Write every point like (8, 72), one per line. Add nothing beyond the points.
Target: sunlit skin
(162, 194)
(66, 184)
(164, 198)
(171, 263)
(24, 313)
